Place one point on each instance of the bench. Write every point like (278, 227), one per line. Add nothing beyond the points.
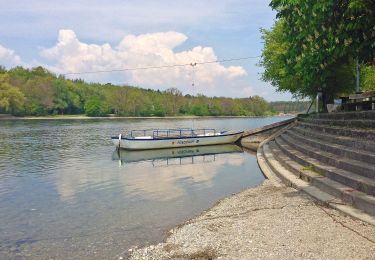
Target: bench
(359, 101)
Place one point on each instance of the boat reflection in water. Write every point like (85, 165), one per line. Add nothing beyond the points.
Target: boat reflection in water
(175, 156)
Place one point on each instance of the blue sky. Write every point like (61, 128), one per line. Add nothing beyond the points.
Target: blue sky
(73, 36)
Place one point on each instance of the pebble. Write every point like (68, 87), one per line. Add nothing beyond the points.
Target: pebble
(257, 223)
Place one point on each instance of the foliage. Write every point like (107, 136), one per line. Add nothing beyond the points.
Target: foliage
(36, 91)
(314, 45)
(95, 107)
(368, 78)
(11, 98)
(276, 46)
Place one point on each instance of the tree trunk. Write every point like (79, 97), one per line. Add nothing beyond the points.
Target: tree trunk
(327, 98)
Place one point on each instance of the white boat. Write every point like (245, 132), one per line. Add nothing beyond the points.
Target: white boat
(171, 138)
(128, 156)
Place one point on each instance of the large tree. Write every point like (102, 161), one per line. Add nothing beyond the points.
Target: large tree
(11, 99)
(276, 46)
(317, 44)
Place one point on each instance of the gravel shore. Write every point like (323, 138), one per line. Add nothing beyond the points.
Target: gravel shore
(266, 222)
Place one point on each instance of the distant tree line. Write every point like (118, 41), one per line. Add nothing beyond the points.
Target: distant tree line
(39, 92)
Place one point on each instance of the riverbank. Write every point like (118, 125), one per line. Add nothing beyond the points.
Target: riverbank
(266, 222)
(84, 117)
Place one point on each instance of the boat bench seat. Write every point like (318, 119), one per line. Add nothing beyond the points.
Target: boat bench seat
(143, 137)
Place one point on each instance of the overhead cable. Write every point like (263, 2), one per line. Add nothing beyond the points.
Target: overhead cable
(161, 67)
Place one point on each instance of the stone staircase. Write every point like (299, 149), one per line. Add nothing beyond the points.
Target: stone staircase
(329, 156)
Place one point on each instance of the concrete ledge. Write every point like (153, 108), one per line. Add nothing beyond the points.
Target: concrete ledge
(345, 115)
(348, 132)
(355, 143)
(360, 168)
(355, 123)
(332, 164)
(343, 188)
(267, 171)
(325, 198)
(340, 150)
(358, 182)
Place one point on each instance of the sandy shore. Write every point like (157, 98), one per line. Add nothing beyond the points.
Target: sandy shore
(266, 222)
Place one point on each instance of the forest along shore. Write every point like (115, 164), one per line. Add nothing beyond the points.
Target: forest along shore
(266, 222)
(38, 92)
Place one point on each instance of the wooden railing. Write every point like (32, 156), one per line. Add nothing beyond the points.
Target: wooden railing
(356, 102)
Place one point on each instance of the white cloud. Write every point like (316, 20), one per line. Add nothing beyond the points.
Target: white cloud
(230, 27)
(8, 57)
(145, 50)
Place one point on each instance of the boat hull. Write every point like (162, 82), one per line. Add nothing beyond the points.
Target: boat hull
(128, 156)
(146, 144)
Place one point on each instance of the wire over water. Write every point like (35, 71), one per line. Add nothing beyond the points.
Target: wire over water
(161, 67)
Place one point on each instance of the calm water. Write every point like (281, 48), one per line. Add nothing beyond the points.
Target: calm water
(66, 193)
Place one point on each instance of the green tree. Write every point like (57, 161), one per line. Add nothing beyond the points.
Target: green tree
(11, 99)
(174, 96)
(320, 40)
(36, 91)
(116, 97)
(368, 78)
(95, 107)
(134, 101)
(200, 110)
(61, 96)
(214, 107)
(274, 61)
(158, 110)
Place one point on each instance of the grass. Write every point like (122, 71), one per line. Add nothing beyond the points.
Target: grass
(310, 168)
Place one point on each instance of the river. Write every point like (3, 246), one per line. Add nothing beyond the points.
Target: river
(66, 193)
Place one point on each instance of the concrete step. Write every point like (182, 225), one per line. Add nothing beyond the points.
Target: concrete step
(356, 143)
(345, 193)
(289, 162)
(355, 123)
(360, 168)
(340, 131)
(346, 115)
(291, 180)
(266, 170)
(328, 146)
(357, 182)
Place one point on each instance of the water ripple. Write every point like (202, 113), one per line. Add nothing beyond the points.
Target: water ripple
(62, 190)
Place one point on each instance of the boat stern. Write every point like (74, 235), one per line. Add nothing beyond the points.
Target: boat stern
(116, 140)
